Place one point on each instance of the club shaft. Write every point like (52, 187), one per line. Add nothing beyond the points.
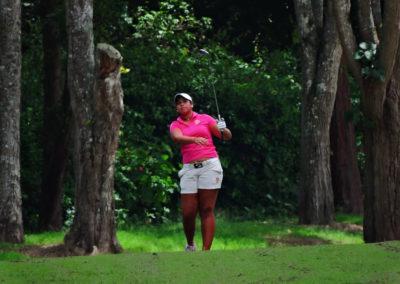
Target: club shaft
(216, 101)
(205, 52)
(213, 88)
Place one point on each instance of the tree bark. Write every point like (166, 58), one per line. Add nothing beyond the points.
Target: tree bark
(11, 227)
(97, 110)
(379, 102)
(346, 180)
(321, 53)
(94, 225)
(57, 115)
(382, 174)
(365, 19)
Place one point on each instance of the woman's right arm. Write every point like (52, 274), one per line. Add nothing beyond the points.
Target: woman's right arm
(178, 137)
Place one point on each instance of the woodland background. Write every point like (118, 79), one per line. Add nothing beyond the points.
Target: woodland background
(256, 76)
(305, 90)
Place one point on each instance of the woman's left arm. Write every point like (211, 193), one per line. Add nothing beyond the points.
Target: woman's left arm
(216, 132)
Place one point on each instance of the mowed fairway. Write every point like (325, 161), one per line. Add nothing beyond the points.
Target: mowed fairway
(354, 263)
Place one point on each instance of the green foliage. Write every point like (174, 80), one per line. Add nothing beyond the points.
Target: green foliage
(367, 54)
(170, 26)
(143, 175)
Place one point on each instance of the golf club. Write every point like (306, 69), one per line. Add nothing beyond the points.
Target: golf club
(204, 52)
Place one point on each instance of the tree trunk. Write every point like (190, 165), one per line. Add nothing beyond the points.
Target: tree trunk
(382, 170)
(56, 119)
(379, 104)
(321, 53)
(346, 181)
(382, 137)
(11, 228)
(94, 223)
(97, 117)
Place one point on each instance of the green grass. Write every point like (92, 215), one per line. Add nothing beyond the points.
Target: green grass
(230, 236)
(242, 252)
(363, 263)
(44, 238)
(346, 218)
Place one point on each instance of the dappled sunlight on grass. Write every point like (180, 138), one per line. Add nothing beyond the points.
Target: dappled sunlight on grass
(233, 235)
(229, 235)
(331, 235)
(261, 234)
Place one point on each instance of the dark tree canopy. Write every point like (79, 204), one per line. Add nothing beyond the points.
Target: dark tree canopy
(237, 24)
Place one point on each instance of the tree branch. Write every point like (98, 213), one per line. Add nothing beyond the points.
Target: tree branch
(377, 15)
(390, 37)
(366, 22)
(341, 9)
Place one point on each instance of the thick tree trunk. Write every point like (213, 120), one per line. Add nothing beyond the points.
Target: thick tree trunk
(11, 228)
(379, 102)
(94, 226)
(321, 53)
(97, 117)
(57, 116)
(382, 168)
(346, 181)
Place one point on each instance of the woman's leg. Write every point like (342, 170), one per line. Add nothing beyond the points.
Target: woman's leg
(207, 199)
(189, 212)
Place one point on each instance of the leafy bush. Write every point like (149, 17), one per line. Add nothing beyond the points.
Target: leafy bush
(143, 175)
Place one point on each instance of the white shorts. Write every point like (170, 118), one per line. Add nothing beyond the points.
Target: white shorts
(203, 175)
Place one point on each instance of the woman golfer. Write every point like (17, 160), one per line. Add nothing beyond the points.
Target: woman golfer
(201, 174)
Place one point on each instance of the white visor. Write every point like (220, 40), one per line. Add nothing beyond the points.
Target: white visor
(183, 95)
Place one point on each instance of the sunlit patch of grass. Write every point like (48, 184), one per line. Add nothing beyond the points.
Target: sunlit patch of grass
(152, 238)
(45, 238)
(332, 235)
(258, 234)
(230, 235)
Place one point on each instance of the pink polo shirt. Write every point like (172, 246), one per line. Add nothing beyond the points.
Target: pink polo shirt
(199, 126)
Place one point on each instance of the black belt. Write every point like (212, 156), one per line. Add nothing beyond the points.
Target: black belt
(198, 165)
(202, 164)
